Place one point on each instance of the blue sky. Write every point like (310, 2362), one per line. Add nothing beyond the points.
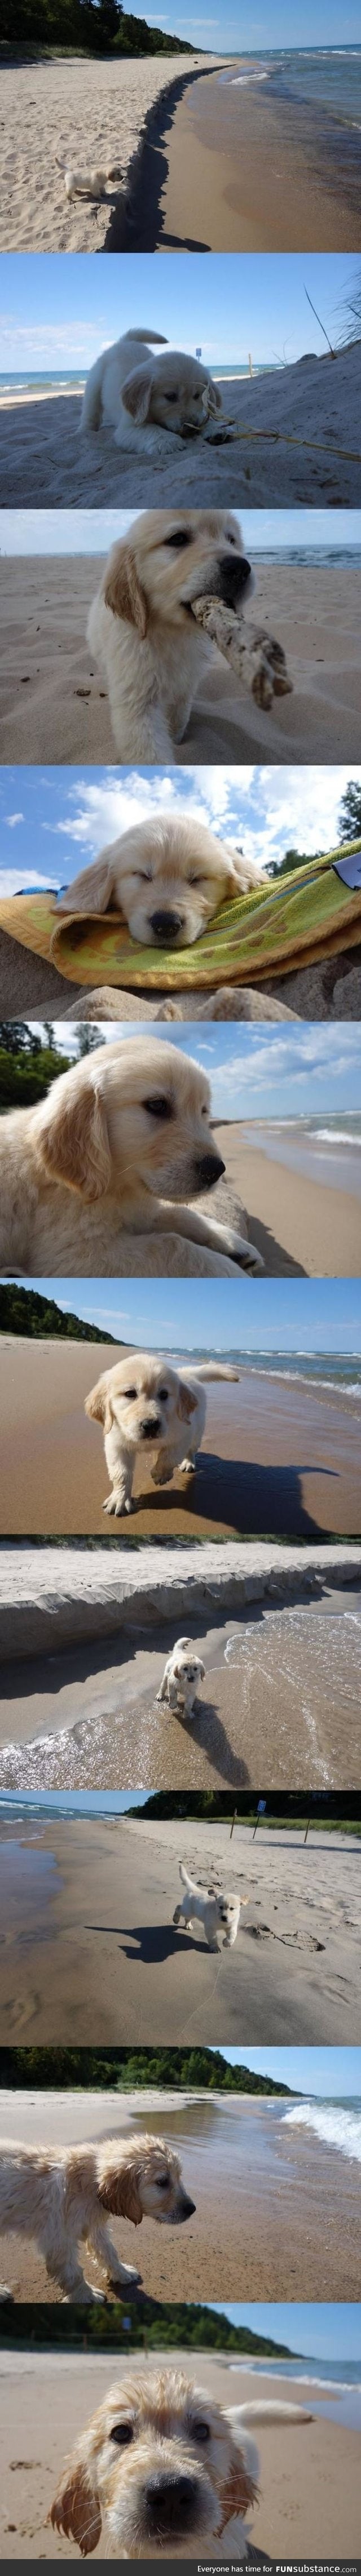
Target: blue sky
(88, 1802)
(258, 1072)
(53, 821)
(239, 25)
(322, 2333)
(221, 1314)
(51, 319)
(330, 2072)
(74, 532)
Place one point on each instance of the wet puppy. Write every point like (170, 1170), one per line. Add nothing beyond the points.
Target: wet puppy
(182, 1673)
(163, 2471)
(143, 397)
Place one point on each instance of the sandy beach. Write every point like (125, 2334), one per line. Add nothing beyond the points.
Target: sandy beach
(279, 1705)
(299, 1226)
(55, 706)
(58, 102)
(89, 1954)
(314, 400)
(234, 2246)
(263, 173)
(278, 1457)
(309, 2497)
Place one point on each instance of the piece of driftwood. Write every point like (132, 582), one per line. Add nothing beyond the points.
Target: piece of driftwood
(258, 660)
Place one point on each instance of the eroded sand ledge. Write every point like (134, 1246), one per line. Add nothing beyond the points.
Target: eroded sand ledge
(59, 1598)
(89, 111)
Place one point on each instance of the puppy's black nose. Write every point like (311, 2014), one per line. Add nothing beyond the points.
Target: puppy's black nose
(149, 1430)
(188, 2207)
(166, 924)
(235, 573)
(170, 2504)
(208, 1170)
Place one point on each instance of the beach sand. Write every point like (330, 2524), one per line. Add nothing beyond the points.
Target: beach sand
(55, 707)
(299, 1226)
(279, 1705)
(309, 2499)
(263, 173)
(89, 1954)
(279, 1458)
(313, 400)
(261, 2237)
(87, 111)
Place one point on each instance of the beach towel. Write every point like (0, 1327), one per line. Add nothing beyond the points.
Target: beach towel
(287, 922)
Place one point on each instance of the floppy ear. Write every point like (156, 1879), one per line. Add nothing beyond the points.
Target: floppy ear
(76, 2510)
(119, 2192)
(73, 1142)
(92, 890)
(123, 593)
(98, 1404)
(137, 390)
(187, 1403)
(240, 2489)
(214, 396)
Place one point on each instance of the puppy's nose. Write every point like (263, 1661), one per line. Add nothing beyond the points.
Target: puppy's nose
(149, 1429)
(188, 2207)
(208, 1170)
(166, 924)
(235, 572)
(170, 2504)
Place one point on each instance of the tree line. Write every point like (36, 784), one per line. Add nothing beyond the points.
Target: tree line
(85, 26)
(121, 2069)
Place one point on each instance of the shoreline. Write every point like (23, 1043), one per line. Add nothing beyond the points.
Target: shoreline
(300, 1226)
(263, 168)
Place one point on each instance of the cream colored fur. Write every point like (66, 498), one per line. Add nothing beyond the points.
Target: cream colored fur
(205, 1905)
(167, 875)
(143, 398)
(141, 629)
(183, 1672)
(144, 1404)
(61, 2200)
(163, 2471)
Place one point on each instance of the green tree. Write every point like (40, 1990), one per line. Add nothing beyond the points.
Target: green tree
(350, 812)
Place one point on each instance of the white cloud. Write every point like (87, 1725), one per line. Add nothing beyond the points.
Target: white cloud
(11, 819)
(16, 881)
(267, 810)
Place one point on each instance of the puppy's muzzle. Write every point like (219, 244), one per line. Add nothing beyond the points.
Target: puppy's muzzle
(150, 1427)
(208, 1170)
(166, 925)
(186, 2209)
(171, 2505)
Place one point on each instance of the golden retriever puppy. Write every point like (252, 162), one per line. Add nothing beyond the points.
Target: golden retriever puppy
(62, 2197)
(182, 1673)
(142, 631)
(164, 2471)
(167, 875)
(143, 1403)
(126, 1124)
(143, 397)
(204, 1905)
(87, 183)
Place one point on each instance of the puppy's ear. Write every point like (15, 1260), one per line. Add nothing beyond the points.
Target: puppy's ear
(92, 890)
(240, 2489)
(99, 1404)
(123, 592)
(214, 397)
(187, 1403)
(137, 391)
(76, 2509)
(73, 1141)
(119, 2192)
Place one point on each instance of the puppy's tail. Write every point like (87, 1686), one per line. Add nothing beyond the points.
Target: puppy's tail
(213, 1368)
(158, 337)
(187, 1882)
(272, 2412)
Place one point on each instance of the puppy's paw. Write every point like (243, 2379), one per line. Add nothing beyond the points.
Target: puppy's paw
(118, 1503)
(161, 1475)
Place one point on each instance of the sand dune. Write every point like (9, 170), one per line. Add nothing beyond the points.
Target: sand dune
(314, 400)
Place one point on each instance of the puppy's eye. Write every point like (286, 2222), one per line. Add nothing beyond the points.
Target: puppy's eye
(171, 398)
(143, 875)
(162, 2182)
(130, 1394)
(122, 2433)
(181, 537)
(158, 1105)
(231, 539)
(201, 2430)
(163, 1395)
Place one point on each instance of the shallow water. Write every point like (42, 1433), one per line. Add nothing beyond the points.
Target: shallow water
(29, 1877)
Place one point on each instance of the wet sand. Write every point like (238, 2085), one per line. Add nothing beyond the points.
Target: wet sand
(89, 1953)
(278, 1457)
(279, 1707)
(249, 171)
(261, 2237)
(309, 2500)
(297, 1226)
(55, 707)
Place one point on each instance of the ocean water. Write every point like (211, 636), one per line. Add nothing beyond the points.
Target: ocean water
(327, 77)
(322, 1149)
(335, 2385)
(337, 2124)
(338, 1371)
